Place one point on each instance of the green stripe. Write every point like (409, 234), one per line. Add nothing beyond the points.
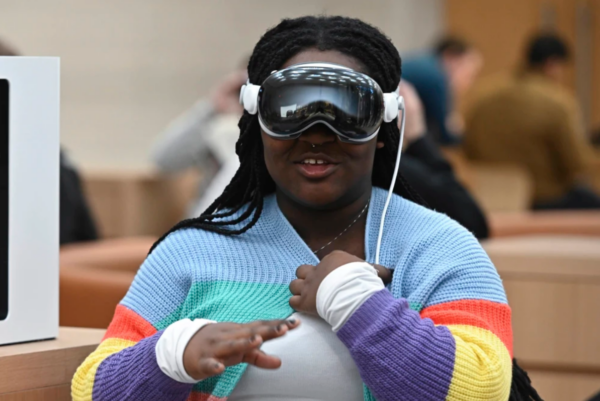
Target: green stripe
(416, 306)
(228, 301)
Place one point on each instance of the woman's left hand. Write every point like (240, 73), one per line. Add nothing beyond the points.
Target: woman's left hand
(304, 288)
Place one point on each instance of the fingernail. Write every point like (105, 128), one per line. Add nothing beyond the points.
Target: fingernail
(292, 321)
(280, 327)
(254, 338)
(217, 366)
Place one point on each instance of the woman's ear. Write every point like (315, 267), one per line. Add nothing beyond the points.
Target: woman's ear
(380, 144)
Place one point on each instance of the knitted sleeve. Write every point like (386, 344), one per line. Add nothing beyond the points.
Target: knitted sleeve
(444, 330)
(124, 365)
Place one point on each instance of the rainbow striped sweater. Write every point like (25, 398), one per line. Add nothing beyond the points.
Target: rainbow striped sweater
(441, 331)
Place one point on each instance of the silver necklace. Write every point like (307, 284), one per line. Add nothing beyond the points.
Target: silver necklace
(364, 209)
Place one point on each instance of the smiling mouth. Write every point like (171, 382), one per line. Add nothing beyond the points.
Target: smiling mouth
(315, 168)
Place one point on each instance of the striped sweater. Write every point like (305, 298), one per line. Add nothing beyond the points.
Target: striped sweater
(441, 331)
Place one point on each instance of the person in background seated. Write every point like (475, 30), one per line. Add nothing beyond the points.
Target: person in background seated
(204, 138)
(426, 170)
(529, 119)
(275, 293)
(440, 78)
(76, 221)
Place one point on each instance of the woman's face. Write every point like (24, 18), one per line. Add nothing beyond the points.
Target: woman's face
(345, 175)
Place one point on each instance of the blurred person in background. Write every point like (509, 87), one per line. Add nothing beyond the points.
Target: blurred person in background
(441, 77)
(529, 119)
(426, 169)
(76, 221)
(204, 138)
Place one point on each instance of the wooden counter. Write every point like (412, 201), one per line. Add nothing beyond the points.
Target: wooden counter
(42, 371)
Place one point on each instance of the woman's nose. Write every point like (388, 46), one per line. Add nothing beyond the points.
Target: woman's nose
(318, 134)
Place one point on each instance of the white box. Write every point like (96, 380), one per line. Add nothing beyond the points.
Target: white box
(30, 256)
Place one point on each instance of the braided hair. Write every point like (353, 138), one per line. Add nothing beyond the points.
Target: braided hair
(252, 181)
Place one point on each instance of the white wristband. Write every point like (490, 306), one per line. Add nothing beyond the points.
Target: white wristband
(344, 290)
(171, 346)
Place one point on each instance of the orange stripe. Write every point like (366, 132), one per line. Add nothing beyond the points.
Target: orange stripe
(492, 316)
(128, 325)
(204, 397)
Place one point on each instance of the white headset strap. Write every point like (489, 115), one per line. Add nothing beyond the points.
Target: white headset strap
(394, 177)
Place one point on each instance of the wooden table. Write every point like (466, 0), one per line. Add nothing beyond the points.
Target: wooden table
(42, 371)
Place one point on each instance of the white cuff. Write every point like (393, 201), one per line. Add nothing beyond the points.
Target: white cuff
(171, 346)
(344, 290)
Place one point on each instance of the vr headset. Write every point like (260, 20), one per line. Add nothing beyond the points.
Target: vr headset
(350, 103)
(294, 99)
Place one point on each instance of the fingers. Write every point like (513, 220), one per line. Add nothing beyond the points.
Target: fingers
(302, 271)
(237, 346)
(291, 323)
(271, 329)
(230, 344)
(296, 302)
(262, 360)
(210, 367)
(384, 274)
(296, 286)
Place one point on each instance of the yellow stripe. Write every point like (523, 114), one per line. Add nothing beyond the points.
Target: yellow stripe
(482, 366)
(82, 385)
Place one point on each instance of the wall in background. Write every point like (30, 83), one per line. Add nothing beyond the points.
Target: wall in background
(129, 67)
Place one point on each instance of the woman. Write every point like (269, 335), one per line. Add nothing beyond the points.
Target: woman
(288, 240)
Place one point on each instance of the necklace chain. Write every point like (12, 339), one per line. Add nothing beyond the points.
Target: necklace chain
(364, 209)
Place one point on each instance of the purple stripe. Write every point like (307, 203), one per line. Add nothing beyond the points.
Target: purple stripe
(399, 355)
(134, 374)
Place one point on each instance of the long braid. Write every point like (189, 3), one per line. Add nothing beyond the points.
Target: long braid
(252, 182)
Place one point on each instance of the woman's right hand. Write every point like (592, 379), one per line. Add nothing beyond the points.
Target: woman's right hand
(218, 345)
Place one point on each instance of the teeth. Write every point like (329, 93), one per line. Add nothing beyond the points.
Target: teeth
(314, 161)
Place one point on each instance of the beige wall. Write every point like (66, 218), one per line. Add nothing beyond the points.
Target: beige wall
(129, 66)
